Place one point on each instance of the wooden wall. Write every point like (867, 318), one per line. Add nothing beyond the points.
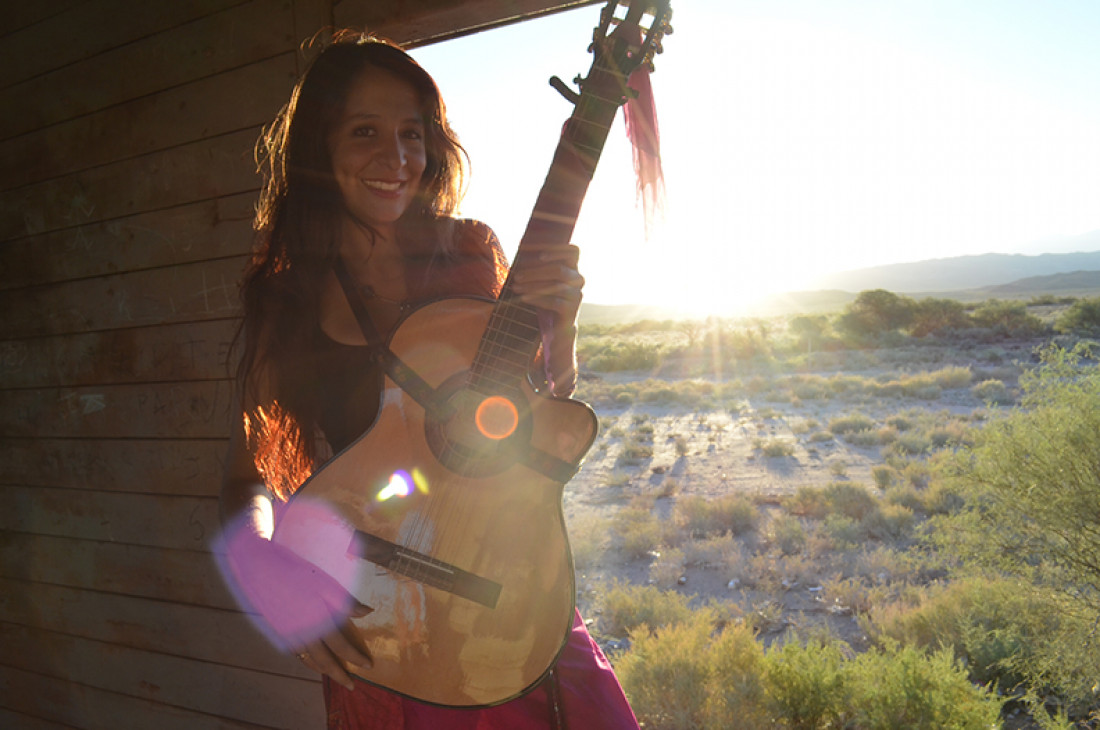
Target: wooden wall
(126, 191)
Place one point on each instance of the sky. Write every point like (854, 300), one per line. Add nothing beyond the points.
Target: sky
(799, 138)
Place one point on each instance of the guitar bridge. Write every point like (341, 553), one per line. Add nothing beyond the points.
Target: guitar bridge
(424, 569)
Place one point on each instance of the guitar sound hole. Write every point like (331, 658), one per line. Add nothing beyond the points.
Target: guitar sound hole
(476, 435)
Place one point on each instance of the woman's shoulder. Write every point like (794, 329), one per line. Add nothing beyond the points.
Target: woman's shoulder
(472, 233)
(475, 263)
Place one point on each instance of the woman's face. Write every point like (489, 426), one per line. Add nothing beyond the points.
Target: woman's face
(378, 149)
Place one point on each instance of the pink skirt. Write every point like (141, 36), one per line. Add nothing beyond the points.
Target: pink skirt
(587, 693)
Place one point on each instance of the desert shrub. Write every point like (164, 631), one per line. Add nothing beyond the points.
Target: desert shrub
(938, 316)
(621, 355)
(882, 475)
(788, 534)
(699, 516)
(903, 687)
(625, 607)
(691, 674)
(777, 448)
(905, 495)
(910, 443)
(875, 312)
(943, 497)
(1031, 484)
(684, 676)
(634, 451)
(850, 424)
(953, 433)
(889, 522)
(992, 391)
(952, 377)
(1082, 317)
(805, 683)
(588, 539)
(638, 530)
(844, 532)
(850, 499)
(1008, 318)
(900, 422)
(989, 623)
(807, 502)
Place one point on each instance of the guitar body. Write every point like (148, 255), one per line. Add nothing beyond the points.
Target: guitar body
(445, 518)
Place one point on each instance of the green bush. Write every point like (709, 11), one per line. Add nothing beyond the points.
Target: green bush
(805, 684)
(1082, 317)
(851, 499)
(850, 424)
(701, 516)
(625, 607)
(807, 502)
(992, 391)
(691, 675)
(903, 687)
(1031, 485)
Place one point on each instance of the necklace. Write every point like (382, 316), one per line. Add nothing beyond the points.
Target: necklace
(370, 293)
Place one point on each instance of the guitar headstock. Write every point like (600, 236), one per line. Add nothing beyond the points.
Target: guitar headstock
(628, 21)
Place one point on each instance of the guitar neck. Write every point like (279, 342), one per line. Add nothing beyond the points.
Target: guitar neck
(512, 337)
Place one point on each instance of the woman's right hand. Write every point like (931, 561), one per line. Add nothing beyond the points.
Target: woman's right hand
(303, 607)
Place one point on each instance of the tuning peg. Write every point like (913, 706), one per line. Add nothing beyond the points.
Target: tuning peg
(563, 89)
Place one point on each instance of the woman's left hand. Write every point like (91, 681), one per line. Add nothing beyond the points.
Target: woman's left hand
(548, 280)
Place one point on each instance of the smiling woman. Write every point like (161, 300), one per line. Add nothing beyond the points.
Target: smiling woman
(378, 154)
(355, 527)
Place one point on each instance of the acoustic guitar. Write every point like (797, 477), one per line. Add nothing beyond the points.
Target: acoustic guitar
(446, 516)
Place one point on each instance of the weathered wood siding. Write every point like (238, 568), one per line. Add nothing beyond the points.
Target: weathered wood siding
(126, 191)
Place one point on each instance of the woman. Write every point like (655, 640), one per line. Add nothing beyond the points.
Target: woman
(363, 172)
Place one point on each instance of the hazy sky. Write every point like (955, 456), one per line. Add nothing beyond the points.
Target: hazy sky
(801, 137)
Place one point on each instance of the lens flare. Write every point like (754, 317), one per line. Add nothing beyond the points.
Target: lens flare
(496, 417)
(400, 485)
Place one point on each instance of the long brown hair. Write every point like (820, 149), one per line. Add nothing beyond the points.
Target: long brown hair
(297, 240)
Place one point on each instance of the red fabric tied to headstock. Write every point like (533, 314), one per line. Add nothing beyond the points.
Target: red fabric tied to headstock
(640, 115)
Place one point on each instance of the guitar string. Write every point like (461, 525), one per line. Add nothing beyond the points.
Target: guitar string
(451, 516)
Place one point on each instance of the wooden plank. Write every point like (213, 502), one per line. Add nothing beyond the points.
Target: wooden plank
(419, 22)
(195, 292)
(149, 466)
(18, 16)
(211, 168)
(189, 410)
(191, 351)
(26, 722)
(79, 706)
(241, 35)
(116, 22)
(207, 229)
(195, 632)
(181, 576)
(243, 98)
(239, 694)
(179, 523)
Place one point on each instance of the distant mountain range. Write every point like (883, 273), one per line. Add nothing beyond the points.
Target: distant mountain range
(965, 278)
(960, 273)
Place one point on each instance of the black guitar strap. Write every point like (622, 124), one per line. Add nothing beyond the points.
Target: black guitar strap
(398, 371)
(358, 307)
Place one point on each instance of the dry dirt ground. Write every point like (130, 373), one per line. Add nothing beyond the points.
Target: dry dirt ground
(718, 453)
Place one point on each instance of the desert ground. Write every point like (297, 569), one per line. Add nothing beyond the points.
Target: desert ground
(763, 435)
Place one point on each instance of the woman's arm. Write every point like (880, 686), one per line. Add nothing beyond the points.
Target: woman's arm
(301, 605)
